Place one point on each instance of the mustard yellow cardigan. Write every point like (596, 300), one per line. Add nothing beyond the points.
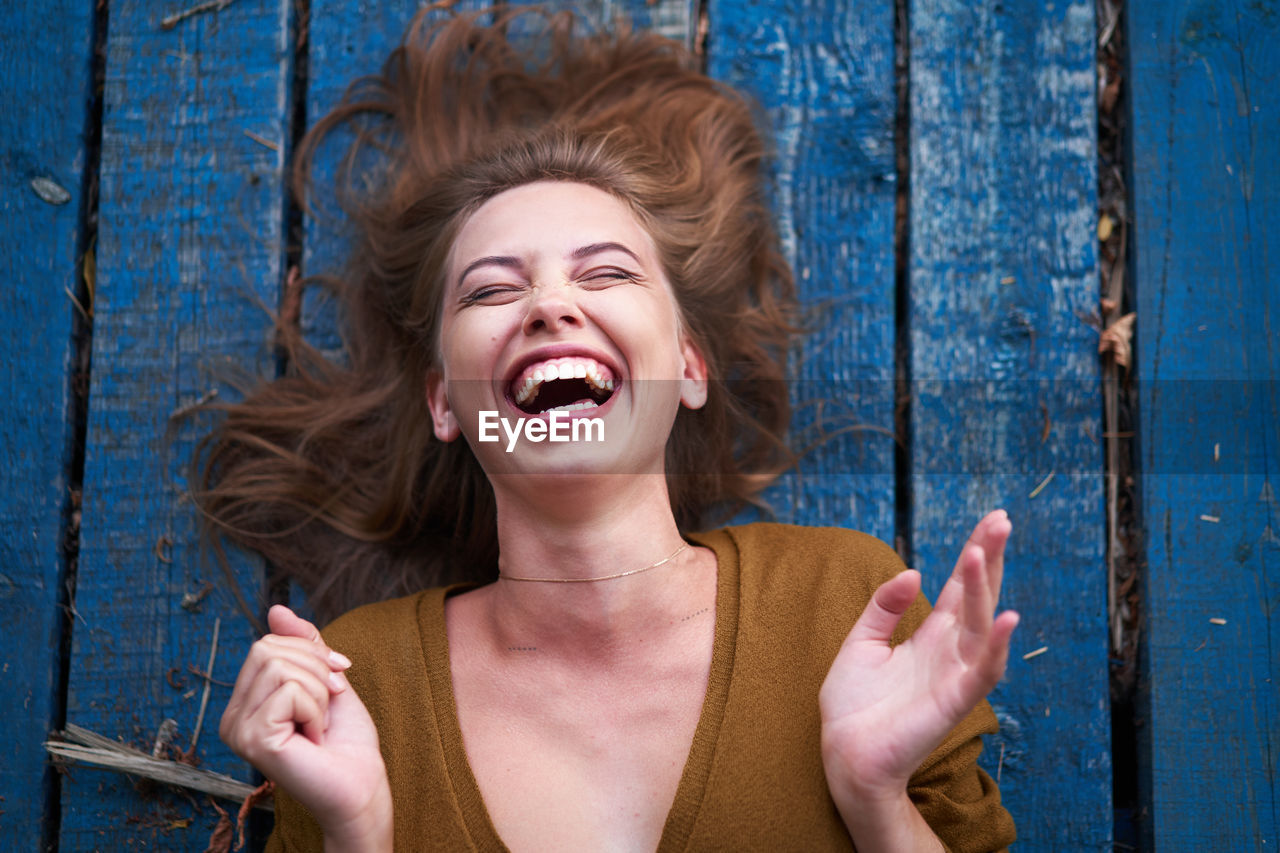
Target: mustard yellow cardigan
(787, 597)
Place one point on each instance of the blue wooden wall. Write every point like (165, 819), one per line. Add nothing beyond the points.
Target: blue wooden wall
(1206, 178)
(44, 111)
(973, 319)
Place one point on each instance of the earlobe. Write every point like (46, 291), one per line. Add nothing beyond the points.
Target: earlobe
(693, 385)
(442, 419)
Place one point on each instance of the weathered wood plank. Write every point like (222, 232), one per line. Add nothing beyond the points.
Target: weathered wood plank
(823, 71)
(45, 74)
(195, 126)
(342, 48)
(1206, 187)
(1005, 379)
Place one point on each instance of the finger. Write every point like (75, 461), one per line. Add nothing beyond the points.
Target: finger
(886, 608)
(951, 599)
(272, 722)
(308, 656)
(246, 693)
(989, 534)
(285, 622)
(274, 676)
(992, 533)
(998, 645)
(326, 656)
(288, 710)
(979, 608)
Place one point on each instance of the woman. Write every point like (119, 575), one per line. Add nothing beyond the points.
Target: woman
(582, 243)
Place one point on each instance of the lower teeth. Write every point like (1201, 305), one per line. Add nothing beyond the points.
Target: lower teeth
(574, 407)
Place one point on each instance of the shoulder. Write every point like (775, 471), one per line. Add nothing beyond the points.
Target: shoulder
(370, 623)
(384, 640)
(769, 536)
(793, 553)
(819, 577)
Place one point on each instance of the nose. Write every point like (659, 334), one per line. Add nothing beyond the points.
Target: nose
(552, 308)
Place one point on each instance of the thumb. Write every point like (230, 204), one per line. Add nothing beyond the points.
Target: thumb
(886, 608)
(286, 623)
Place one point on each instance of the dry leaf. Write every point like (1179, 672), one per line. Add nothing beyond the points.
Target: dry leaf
(220, 840)
(265, 791)
(1117, 338)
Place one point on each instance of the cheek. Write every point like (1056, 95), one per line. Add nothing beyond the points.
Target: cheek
(471, 342)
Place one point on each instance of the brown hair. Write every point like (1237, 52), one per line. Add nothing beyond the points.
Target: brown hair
(332, 471)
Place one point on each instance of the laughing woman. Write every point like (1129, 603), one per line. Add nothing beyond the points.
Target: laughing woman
(554, 657)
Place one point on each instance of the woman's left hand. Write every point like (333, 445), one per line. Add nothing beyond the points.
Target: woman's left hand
(884, 709)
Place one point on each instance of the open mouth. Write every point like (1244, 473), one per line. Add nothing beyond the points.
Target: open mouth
(571, 384)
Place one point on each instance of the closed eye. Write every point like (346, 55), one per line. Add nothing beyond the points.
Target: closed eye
(491, 294)
(608, 275)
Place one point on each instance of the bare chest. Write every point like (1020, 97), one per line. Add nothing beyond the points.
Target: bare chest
(566, 760)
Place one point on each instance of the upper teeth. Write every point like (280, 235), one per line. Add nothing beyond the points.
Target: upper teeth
(573, 367)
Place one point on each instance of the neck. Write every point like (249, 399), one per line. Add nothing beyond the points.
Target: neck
(574, 533)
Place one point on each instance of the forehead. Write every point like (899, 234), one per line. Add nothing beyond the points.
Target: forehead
(548, 218)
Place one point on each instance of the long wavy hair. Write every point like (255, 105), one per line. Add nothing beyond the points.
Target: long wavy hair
(332, 471)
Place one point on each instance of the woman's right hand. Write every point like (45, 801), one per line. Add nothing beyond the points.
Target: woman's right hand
(294, 716)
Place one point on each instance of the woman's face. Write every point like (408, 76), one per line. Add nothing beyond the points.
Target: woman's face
(556, 309)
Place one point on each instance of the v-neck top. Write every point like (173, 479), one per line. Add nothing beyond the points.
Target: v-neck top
(786, 598)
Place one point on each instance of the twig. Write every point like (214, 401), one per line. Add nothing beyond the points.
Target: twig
(209, 6)
(70, 606)
(76, 302)
(201, 674)
(86, 747)
(1040, 488)
(208, 685)
(262, 140)
(183, 411)
(161, 544)
(191, 600)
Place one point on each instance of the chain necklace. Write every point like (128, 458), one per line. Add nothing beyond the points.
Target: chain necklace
(664, 560)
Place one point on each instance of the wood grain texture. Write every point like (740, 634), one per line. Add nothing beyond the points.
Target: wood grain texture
(45, 74)
(195, 123)
(1005, 379)
(823, 73)
(1206, 188)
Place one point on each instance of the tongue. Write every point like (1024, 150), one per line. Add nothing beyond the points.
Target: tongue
(560, 392)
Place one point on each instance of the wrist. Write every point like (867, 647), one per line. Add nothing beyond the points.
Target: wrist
(852, 776)
(370, 831)
(887, 822)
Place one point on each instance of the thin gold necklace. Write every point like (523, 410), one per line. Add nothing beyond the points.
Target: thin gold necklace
(666, 559)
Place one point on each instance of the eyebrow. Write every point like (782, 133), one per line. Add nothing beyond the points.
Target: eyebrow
(597, 248)
(512, 262)
(490, 260)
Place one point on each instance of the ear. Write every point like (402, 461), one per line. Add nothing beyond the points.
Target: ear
(693, 385)
(446, 425)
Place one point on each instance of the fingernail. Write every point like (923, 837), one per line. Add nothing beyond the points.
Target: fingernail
(336, 682)
(339, 660)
